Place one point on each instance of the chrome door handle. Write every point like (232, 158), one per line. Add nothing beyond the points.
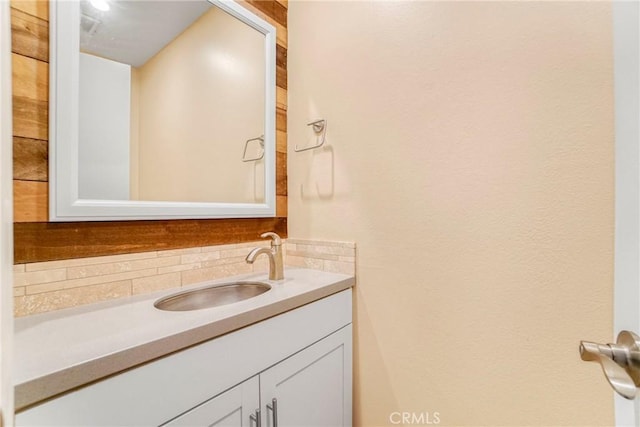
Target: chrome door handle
(255, 417)
(274, 411)
(620, 362)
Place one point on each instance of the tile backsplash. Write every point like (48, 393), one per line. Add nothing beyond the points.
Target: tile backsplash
(53, 285)
(334, 257)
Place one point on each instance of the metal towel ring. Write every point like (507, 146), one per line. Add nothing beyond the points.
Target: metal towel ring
(319, 126)
(246, 144)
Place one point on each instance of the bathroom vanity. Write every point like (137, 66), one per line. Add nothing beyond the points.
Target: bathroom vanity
(280, 358)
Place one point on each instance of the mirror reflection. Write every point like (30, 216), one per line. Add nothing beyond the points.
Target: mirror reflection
(169, 94)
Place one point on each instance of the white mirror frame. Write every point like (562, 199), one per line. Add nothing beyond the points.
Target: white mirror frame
(64, 204)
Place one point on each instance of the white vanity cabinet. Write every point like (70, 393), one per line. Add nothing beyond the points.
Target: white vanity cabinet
(233, 408)
(311, 388)
(301, 358)
(306, 389)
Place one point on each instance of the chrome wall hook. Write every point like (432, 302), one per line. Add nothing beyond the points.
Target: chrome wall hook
(320, 128)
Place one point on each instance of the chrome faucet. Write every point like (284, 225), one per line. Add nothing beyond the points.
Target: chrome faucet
(274, 253)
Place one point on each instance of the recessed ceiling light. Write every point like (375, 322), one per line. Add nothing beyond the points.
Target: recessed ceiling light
(100, 5)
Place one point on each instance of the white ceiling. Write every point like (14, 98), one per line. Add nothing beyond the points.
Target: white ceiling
(132, 32)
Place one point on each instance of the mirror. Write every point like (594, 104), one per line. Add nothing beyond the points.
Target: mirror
(161, 109)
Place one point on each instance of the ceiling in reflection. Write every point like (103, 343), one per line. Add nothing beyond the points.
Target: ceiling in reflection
(132, 32)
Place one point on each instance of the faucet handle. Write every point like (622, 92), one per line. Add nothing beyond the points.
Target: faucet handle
(276, 241)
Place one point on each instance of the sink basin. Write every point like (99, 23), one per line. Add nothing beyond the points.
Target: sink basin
(211, 296)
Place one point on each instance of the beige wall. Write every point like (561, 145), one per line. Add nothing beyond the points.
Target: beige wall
(470, 157)
(200, 99)
(134, 142)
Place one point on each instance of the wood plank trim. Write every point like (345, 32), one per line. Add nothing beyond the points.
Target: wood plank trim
(47, 241)
(30, 159)
(30, 201)
(29, 35)
(281, 142)
(281, 98)
(30, 118)
(281, 29)
(281, 120)
(281, 77)
(281, 174)
(37, 8)
(273, 9)
(30, 77)
(281, 207)
(281, 56)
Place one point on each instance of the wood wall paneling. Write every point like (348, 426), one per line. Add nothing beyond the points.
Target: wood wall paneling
(281, 77)
(30, 78)
(257, 7)
(30, 159)
(37, 240)
(272, 9)
(29, 35)
(30, 118)
(281, 98)
(35, 8)
(281, 174)
(281, 141)
(66, 240)
(281, 207)
(30, 202)
(281, 120)
(281, 56)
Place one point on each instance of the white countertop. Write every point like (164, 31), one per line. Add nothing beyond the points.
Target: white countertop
(61, 350)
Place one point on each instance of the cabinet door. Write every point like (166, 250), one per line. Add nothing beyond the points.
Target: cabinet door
(312, 387)
(233, 408)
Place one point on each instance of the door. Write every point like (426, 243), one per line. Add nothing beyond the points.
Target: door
(308, 388)
(626, 23)
(627, 138)
(238, 407)
(6, 219)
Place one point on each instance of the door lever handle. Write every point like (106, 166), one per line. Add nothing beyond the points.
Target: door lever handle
(620, 362)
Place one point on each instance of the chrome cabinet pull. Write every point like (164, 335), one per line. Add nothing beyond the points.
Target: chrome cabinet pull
(274, 411)
(256, 418)
(620, 362)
